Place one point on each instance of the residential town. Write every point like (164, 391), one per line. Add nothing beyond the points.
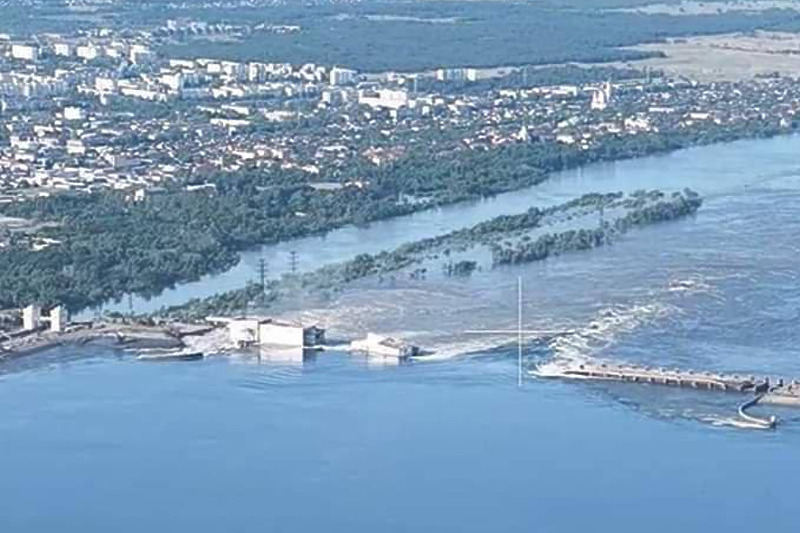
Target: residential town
(102, 110)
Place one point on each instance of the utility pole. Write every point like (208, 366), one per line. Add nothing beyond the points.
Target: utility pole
(130, 294)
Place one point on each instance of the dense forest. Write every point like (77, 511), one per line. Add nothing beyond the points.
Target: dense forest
(412, 36)
(382, 35)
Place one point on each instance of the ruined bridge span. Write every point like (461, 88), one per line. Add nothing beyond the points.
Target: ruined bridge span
(661, 376)
(779, 391)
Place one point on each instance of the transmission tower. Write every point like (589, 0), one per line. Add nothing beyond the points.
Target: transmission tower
(262, 272)
(293, 261)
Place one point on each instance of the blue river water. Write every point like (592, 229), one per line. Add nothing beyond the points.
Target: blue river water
(92, 440)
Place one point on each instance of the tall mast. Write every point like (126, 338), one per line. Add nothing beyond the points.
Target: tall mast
(519, 331)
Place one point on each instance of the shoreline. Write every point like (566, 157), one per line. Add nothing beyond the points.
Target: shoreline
(534, 233)
(653, 151)
(129, 336)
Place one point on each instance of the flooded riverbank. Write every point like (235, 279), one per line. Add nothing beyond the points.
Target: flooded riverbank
(709, 170)
(230, 441)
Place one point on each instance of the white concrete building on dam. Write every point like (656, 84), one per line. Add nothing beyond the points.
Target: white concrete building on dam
(32, 318)
(260, 331)
(379, 345)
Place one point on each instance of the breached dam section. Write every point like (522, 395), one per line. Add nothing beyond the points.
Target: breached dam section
(779, 391)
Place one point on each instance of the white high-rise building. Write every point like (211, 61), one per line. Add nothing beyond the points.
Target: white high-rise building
(384, 99)
(140, 55)
(601, 98)
(87, 52)
(456, 74)
(25, 52)
(256, 72)
(173, 81)
(233, 70)
(75, 147)
(342, 76)
(73, 113)
(62, 49)
(105, 85)
(608, 91)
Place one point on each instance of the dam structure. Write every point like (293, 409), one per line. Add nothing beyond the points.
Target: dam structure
(777, 392)
(756, 390)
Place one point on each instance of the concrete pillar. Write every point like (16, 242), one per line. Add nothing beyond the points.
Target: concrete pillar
(31, 316)
(58, 319)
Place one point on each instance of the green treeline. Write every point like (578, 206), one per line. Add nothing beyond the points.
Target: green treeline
(678, 206)
(414, 36)
(641, 208)
(407, 36)
(110, 246)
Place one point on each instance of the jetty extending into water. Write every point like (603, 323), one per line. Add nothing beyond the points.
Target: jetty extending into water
(764, 390)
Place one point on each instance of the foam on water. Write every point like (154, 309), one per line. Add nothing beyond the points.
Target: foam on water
(444, 348)
(692, 285)
(438, 319)
(729, 421)
(596, 339)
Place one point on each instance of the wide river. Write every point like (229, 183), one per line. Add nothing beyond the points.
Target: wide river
(93, 441)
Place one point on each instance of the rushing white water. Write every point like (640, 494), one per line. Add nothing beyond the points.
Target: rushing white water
(716, 292)
(93, 440)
